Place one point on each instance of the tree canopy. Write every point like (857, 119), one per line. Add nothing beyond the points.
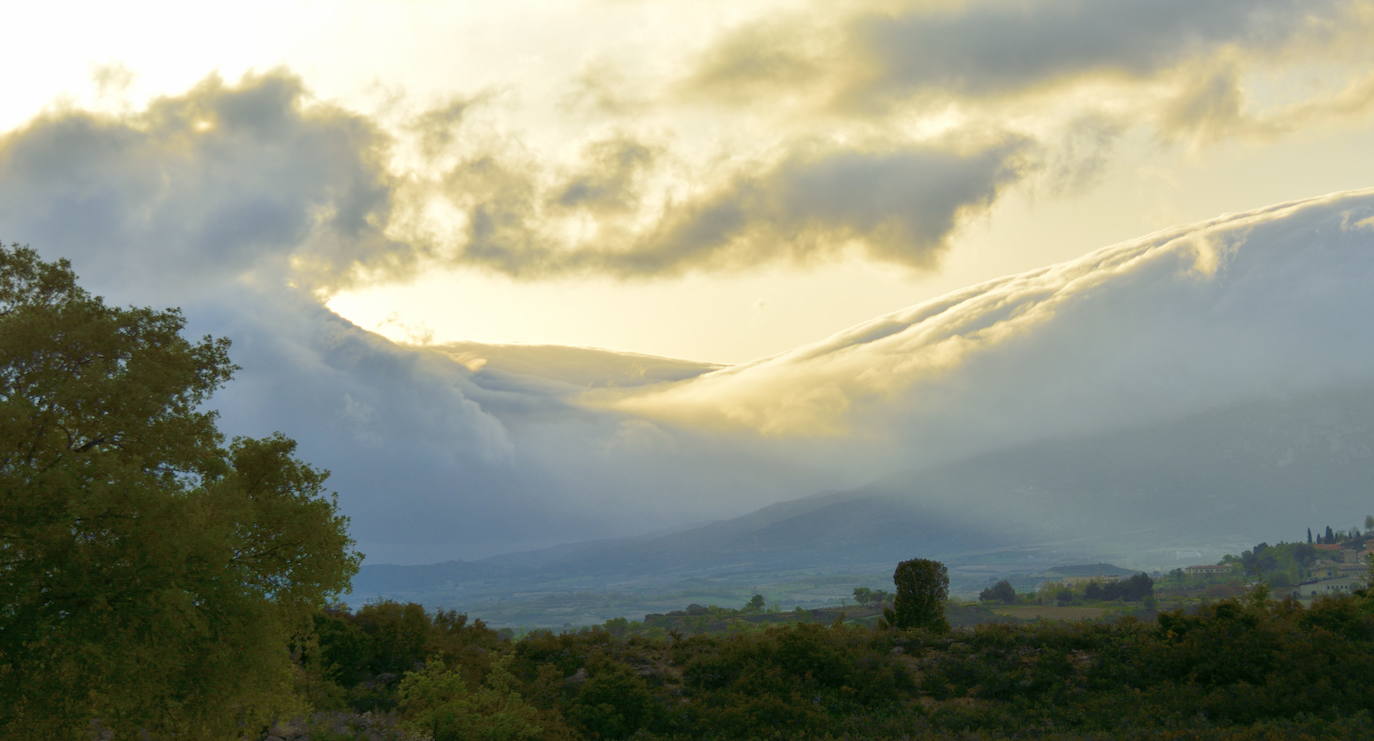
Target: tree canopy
(1002, 591)
(152, 575)
(922, 589)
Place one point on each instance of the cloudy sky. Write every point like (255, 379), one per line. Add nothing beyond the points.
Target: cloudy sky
(811, 207)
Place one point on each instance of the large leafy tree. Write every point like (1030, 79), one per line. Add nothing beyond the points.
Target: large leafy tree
(922, 589)
(152, 576)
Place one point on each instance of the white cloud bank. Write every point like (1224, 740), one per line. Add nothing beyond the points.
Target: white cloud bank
(245, 204)
(1271, 302)
(1264, 305)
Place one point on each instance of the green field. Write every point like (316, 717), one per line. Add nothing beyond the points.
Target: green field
(1052, 612)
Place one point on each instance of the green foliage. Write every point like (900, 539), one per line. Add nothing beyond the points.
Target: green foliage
(158, 582)
(438, 701)
(786, 682)
(1281, 565)
(1134, 589)
(697, 619)
(871, 597)
(922, 588)
(364, 654)
(1002, 592)
(613, 702)
(398, 636)
(151, 577)
(1242, 668)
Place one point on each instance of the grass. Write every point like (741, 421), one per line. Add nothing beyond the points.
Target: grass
(1053, 612)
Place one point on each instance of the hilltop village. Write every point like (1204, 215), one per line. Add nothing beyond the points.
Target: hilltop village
(1329, 563)
(1338, 563)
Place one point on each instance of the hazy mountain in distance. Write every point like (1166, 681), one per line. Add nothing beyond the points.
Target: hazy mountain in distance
(1245, 472)
(820, 531)
(1209, 482)
(1266, 310)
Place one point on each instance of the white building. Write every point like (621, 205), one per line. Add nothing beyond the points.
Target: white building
(1339, 585)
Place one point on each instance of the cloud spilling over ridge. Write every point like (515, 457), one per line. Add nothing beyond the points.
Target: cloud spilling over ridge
(470, 450)
(246, 203)
(243, 204)
(1270, 302)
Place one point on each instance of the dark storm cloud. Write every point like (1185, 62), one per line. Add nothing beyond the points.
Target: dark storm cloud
(224, 180)
(611, 179)
(900, 206)
(895, 205)
(260, 182)
(985, 49)
(990, 48)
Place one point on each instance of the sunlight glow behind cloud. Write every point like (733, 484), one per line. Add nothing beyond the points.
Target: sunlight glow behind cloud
(722, 184)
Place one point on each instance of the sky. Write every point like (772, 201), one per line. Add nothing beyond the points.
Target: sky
(366, 197)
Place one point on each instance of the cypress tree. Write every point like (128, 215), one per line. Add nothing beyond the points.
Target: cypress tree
(922, 588)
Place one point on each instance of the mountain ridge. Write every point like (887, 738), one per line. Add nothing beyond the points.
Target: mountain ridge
(1197, 464)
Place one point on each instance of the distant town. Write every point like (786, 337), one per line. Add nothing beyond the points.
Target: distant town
(1329, 562)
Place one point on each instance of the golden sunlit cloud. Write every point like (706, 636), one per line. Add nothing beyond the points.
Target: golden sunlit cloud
(917, 363)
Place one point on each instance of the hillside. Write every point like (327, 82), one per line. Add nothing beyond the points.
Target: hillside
(1159, 495)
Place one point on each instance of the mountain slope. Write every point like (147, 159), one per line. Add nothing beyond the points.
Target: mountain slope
(1040, 379)
(1217, 480)
(1270, 301)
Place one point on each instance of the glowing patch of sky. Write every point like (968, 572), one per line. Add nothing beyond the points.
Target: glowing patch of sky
(364, 55)
(736, 318)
